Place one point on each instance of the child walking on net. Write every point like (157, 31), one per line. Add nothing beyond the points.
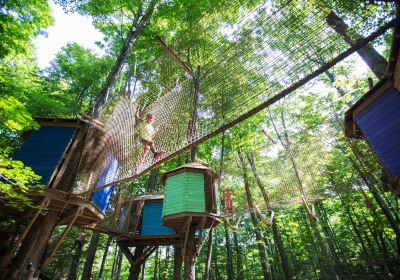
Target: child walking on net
(147, 134)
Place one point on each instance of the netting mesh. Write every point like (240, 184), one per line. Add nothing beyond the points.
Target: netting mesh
(267, 53)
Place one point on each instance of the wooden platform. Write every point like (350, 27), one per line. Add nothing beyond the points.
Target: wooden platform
(200, 220)
(68, 205)
(159, 240)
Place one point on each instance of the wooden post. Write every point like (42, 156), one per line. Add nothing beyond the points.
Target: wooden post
(135, 266)
(177, 263)
(190, 252)
(6, 259)
(370, 83)
(60, 240)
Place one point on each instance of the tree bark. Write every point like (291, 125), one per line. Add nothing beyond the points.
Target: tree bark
(79, 241)
(192, 125)
(229, 261)
(209, 254)
(279, 244)
(91, 252)
(239, 262)
(33, 248)
(134, 31)
(259, 238)
(156, 264)
(103, 261)
(190, 269)
(177, 263)
(376, 62)
(135, 269)
(119, 263)
(278, 241)
(152, 182)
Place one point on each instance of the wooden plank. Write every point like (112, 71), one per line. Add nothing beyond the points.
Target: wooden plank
(372, 97)
(151, 242)
(396, 75)
(62, 201)
(60, 122)
(128, 217)
(137, 215)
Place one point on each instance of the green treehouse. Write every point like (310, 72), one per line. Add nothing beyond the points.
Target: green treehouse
(190, 206)
(190, 194)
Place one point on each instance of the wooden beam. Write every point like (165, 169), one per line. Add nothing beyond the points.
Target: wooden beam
(60, 240)
(128, 254)
(174, 56)
(370, 83)
(146, 253)
(139, 209)
(70, 215)
(62, 198)
(6, 259)
(396, 75)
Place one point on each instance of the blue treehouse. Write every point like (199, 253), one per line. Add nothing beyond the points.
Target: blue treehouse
(376, 118)
(140, 220)
(55, 152)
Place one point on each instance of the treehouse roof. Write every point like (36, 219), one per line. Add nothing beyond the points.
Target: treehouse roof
(392, 79)
(189, 167)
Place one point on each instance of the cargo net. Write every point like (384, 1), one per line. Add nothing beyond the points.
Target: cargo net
(267, 52)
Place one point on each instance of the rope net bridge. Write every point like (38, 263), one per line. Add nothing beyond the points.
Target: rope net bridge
(263, 56)
(292, 175)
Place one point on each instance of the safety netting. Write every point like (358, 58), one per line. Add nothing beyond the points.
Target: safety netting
(262, 56)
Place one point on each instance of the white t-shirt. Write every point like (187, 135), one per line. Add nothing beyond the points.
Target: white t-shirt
(148, 132)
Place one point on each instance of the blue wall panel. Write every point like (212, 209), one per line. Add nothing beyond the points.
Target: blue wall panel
(151, 221)
(380, 124)
(102, 197)
(44, 148)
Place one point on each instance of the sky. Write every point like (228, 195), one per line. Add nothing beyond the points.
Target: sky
(68, 28)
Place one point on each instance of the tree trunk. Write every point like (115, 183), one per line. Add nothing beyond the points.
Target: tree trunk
(177, 263)
(79, 241)
(279, 244)
(239, 263)
(91, 253)
(192, 127)
(103, 261)
(229, 261)
(259, 238)
(156, 264)
(152, 182)
(277, 238)
(135, 269)
(376, 62)
(190, 271)
(286, 144)
(33, 248)
(119, 263)
(114, 260)
(209, 254)
(134, 31)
